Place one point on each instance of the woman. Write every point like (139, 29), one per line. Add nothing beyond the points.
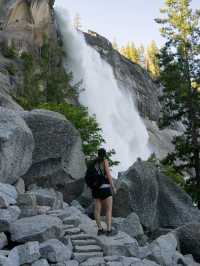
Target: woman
(103, 195)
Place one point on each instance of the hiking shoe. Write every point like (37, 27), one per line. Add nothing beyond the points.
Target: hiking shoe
(110, 233)
(100, 232)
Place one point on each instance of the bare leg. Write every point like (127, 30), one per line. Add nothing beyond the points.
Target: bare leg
(97, 213)
(108, 205)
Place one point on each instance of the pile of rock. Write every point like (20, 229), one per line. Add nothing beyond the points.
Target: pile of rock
(42, 168)
(39, 229)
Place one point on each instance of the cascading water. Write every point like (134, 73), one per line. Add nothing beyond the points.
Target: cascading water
(123, 129)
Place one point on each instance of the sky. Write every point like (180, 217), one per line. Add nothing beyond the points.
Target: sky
(122, 20)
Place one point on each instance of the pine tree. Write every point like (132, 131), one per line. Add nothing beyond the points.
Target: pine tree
(115, 45)
(141, 51)
(131, 52)
(152, 65)
(180, 75)
(77, 22)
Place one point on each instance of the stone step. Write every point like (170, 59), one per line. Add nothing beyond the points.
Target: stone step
(84, 242)
(72, 231)
(81, 236)
(68, 226)
(87, 249)
(71, 220)
(80, 257)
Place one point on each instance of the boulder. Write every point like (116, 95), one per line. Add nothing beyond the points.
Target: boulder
(120, 244)
(163, 250)
(58, 152)
(41, 262)
(8, 195)
(48, 197)
(28, 205)
(154, 197)
(20, 186)
(127, 261)
(4, 261)
(16, 146)
(98, 261)
(37, 228)
(55, 251)
(189, 239)
(26, 253)
(3, 240)
(7, 102)
(8, 216)
(186, 260)
(130, 225)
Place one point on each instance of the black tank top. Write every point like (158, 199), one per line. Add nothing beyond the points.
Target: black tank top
(101, 170)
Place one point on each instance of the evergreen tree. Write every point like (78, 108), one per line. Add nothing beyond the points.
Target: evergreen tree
(152, 65)
(180, 75)
(77, 22)
(141, 51)
(131, 52)
(115, 45)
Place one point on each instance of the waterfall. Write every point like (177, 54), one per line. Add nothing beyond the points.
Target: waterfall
(114, 108)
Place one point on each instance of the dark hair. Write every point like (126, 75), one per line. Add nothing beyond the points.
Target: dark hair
(102, 154)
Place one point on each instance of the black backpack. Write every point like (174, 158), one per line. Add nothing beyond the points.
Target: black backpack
(94, 178)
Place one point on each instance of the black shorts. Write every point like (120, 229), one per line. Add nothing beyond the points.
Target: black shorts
(102, 193)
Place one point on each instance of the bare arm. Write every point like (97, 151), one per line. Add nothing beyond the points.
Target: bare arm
(107, 170)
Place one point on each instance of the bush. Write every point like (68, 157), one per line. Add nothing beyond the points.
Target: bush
(11, 68)
(177, 177)
(9, 52)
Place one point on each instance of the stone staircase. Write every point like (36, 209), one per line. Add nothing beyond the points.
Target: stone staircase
(84, 245)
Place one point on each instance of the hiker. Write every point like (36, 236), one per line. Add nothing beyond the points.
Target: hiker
(102, 190)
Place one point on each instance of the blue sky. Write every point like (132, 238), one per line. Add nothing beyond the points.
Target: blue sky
(124, 20)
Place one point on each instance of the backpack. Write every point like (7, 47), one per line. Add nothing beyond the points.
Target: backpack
(94, 178)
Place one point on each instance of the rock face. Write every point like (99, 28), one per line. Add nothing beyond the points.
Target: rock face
(130, 225)
(154, 197)
(129, 75)
(16, 146)
(58, 159)
(24, 22)
(189, 239)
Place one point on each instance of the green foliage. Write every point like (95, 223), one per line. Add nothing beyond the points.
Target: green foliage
(9, 52)
(11, 68)
(193, 190)
(30, 94)
(176, 176)
(45, 79)
(180, 70)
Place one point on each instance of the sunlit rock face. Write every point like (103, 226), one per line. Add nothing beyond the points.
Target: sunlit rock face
(25, 23)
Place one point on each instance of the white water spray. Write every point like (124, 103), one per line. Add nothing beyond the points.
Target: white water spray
(123, 129)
